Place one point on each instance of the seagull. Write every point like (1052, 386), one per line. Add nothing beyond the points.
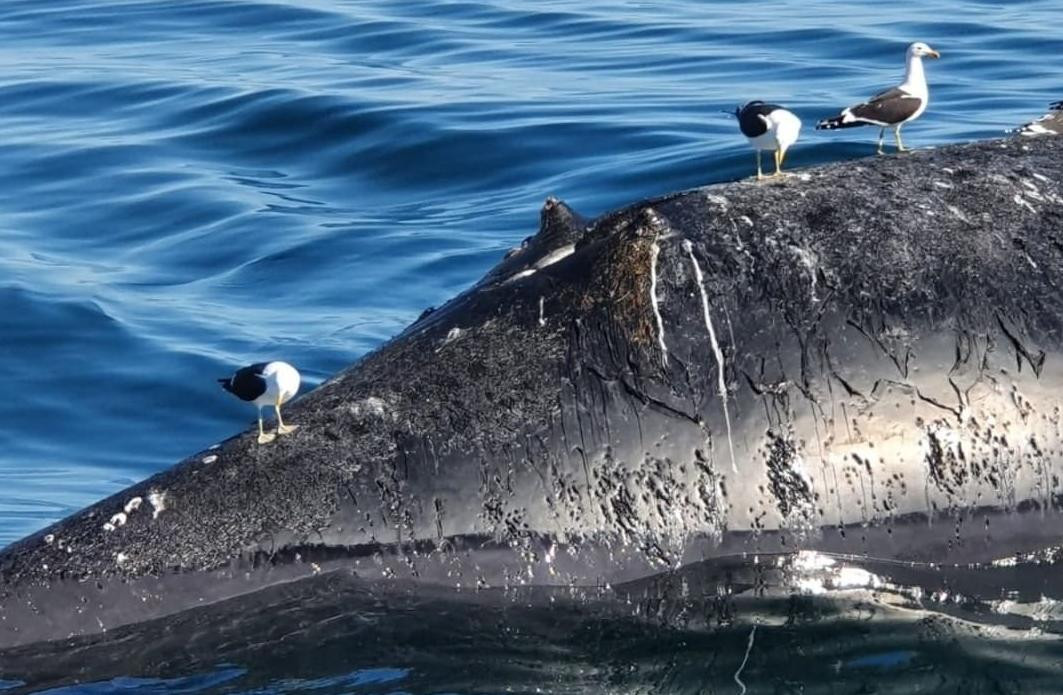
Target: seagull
(894, 107)
(1049, 124)
(263, 384)
(768, 127)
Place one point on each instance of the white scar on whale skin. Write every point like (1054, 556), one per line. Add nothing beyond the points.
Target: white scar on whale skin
(556, 255)
(722, 385)
(655, 251)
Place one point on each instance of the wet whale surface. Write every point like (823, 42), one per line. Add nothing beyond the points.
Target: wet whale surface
(859, 360)
(848, 627)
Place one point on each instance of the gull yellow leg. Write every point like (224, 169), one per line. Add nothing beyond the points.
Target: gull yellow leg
(263, 438)
(900, 145)
(760, 173)
(779, 156)
(881, 136)
(281, 427)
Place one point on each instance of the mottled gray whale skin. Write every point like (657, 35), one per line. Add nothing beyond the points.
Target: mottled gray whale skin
(863, 358)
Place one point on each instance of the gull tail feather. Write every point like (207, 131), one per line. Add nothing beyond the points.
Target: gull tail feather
(837, 122)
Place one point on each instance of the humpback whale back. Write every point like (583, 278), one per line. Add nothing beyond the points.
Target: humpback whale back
(837, 363)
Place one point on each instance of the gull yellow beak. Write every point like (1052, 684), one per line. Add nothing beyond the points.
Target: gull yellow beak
(933, 54)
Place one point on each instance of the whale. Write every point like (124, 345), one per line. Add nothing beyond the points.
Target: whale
(860, 360)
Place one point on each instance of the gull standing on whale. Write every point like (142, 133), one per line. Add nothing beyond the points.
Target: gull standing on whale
(1049, 124)
(263, 384)
(894, 107)
(768, 127)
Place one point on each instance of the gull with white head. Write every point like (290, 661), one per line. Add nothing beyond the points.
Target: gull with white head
(893, 107)
(265, 384)
(768, 127)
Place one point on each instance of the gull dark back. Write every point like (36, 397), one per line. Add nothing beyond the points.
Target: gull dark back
(749, 117)
(247, 383)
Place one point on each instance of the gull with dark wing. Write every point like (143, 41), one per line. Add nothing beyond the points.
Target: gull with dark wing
(265, 384)
(1049, 124)
(768, 127)
(894, 107)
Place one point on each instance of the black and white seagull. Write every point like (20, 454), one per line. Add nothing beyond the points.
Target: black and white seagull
(894, 107)
(263, 384)
(1049, 124)
(768, 127)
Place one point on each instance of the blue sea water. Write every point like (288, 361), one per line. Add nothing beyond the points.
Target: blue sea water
(187, 186)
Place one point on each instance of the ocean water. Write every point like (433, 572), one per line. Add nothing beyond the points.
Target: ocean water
(187, 186)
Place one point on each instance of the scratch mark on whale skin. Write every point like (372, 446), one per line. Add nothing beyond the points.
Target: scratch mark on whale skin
(717, 352)
(655, 252)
